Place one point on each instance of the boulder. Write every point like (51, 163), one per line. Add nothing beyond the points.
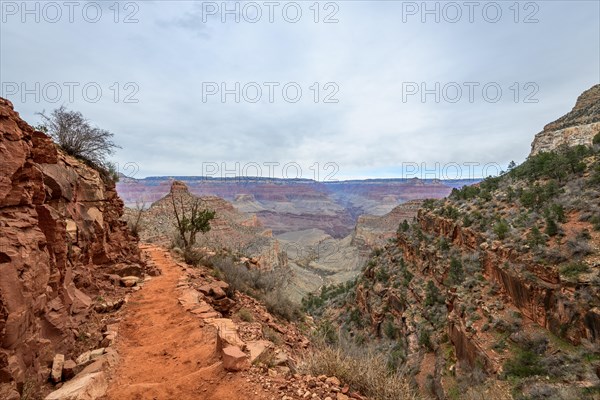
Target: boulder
(83, 387)
(129, 281)
(234, 359)
(259, 349)
(57, 368)
(280, 358)
(223, 305)
(69, 369)
(333, 381)
(90, 356)
(227, 334)
(124, 270)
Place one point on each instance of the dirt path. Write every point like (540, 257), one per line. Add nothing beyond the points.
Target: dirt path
(165, 353)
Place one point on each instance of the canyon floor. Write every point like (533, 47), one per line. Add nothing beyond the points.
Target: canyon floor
(166, 353)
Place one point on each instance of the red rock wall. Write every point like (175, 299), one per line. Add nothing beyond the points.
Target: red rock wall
(541, 296)
(59, 229)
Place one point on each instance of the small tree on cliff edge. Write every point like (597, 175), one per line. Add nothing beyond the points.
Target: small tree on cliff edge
(190, 222)
(75, 135)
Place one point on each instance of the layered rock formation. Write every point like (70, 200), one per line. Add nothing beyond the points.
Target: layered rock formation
(232, 230)
(288, 205)
(575, 128)
(60, 231)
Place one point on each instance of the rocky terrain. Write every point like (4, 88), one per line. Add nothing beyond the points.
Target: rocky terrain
(374, 231)
(492, 291)
(81, 307)
(63, 251)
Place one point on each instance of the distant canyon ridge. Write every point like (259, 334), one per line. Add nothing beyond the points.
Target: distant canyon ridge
(289, 205)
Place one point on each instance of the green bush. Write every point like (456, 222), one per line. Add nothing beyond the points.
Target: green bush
(556, 164)
(501, 229)
(425, 339)
(432, 294)
(574, 269)
(551, 227)
(390, 330)
(404, 226)
(523, 364)
(535, 238)
(455, 272)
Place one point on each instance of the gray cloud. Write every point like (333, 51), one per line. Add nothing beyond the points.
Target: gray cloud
(169, 53)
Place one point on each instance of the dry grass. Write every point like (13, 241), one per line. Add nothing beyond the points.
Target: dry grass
(366, 373)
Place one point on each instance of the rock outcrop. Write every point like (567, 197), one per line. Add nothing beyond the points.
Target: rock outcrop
(577, 127)
(373, 231)
(60, 231)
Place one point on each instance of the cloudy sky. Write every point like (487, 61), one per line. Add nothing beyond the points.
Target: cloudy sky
(340, 89)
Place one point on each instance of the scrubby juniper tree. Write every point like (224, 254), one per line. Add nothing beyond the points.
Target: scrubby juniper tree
(190, 220)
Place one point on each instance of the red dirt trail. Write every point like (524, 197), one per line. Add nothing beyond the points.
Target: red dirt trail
(164, 351)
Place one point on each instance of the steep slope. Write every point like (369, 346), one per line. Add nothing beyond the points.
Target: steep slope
(501, 279)
(60, 235)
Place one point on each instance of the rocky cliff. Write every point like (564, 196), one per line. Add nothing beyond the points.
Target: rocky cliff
(577, 127)
(500, 279)
(60, 238)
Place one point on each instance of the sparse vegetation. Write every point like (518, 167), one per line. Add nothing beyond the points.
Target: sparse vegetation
(266, 286)
(501, 229)
(455, 272)
(77, 137)
(523, 364)
(432, 294)
(574, 269)
(245, 315)
(190, 219)
(134, 222)
(364, 369)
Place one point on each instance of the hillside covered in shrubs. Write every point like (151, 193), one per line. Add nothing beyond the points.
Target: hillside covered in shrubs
(493, 291)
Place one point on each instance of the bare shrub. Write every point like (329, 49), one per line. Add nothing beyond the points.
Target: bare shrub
(75, 135)
(192, 256)
(279, 304)
(245, 315)
(361, 368)
(579, 248)
(134, 222)
(266, 286)
(554, 256)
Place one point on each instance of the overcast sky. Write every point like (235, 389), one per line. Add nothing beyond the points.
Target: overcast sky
(365, 63)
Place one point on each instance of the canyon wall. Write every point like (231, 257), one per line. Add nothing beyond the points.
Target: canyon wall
(60, 238)
(288, 205)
